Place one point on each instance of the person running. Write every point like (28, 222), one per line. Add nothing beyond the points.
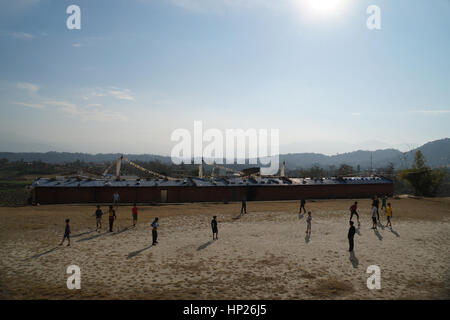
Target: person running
(376, 203)
(351, 235)
(308, 223)
(353, 211)
(302, 206)
(98, 218)
(134, 213)
(112, 217)
(383, 202)
(244, 206)
(215, 231)
(389, 215)
(116, 198)
(155, 226)
(374, 217)
(66, 233)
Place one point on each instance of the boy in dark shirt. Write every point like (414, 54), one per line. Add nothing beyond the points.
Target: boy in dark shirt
(112, 217)
(302, 206)
(215, 231)
(351, 234)
(66, 233)
(244, 206)
(155, 226)
(98, 218)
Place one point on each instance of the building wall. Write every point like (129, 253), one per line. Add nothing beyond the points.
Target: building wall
(50, 195)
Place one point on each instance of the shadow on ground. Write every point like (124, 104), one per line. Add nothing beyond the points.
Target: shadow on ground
(354, 260)
(379, 236)
(44, 253)
(205, 245)
(138, 252)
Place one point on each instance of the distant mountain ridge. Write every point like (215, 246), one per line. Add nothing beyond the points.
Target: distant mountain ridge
(437, 154)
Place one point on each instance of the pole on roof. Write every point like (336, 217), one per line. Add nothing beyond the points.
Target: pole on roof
(283, 169)
(118, 165)
(200, 170)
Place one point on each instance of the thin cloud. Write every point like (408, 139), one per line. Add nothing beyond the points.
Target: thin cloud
(76, 45)
(30, 87)
(205, 6)
(117, 93)
(30, 105)
(22, 35)
(124, 94)
(71, 109)
(432, 112)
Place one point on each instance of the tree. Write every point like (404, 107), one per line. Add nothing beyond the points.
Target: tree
(424, 180)
(345, 170)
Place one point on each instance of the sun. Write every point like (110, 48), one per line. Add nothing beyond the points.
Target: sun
(324, 5)
(325, 8)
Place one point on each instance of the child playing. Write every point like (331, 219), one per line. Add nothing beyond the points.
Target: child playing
(308, 223)
(66, 233)
(389, 215)
(98, 218)
(112, 217)
(134, 213)
(374, 217)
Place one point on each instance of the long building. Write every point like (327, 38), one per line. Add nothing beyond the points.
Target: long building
(75, 190)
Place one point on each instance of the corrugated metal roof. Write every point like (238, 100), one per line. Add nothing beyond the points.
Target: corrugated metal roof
(238, 181)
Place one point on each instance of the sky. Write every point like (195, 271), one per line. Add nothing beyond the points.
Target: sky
(139, 69)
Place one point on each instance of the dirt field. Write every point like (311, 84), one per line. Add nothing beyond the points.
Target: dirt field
(260, 255)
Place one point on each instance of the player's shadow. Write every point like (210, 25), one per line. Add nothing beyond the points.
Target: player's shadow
(379, 236)
(94, 236)
(123, 230)
(237, 218)
(354, 260)
(307, 237)
(300, 216)
(205, 245)
(138, 252)
(380, 225)
(82, 234)
(394, 232)
(44, 253)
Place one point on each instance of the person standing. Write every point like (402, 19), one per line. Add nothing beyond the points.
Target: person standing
(353, 209)
(376, 204)
(302, 206)
(351, 235)
(112, 217)
(389, 215)
(215, 230)
(244, 206)
(134, 214)
(308, 223)
(116, 198)
(383, 202)
(98, 218)
(374, 217)
(155, 226)
(66, 233)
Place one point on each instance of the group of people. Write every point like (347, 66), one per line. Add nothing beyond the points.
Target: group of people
(353, 212)
(375, 217)
(112, 216)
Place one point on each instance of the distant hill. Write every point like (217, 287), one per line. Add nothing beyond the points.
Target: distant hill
(437, 154)
(62, 157)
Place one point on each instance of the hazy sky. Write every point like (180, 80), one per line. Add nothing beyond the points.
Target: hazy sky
(139, 69)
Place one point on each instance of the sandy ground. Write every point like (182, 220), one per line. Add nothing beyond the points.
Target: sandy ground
(261, 255)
